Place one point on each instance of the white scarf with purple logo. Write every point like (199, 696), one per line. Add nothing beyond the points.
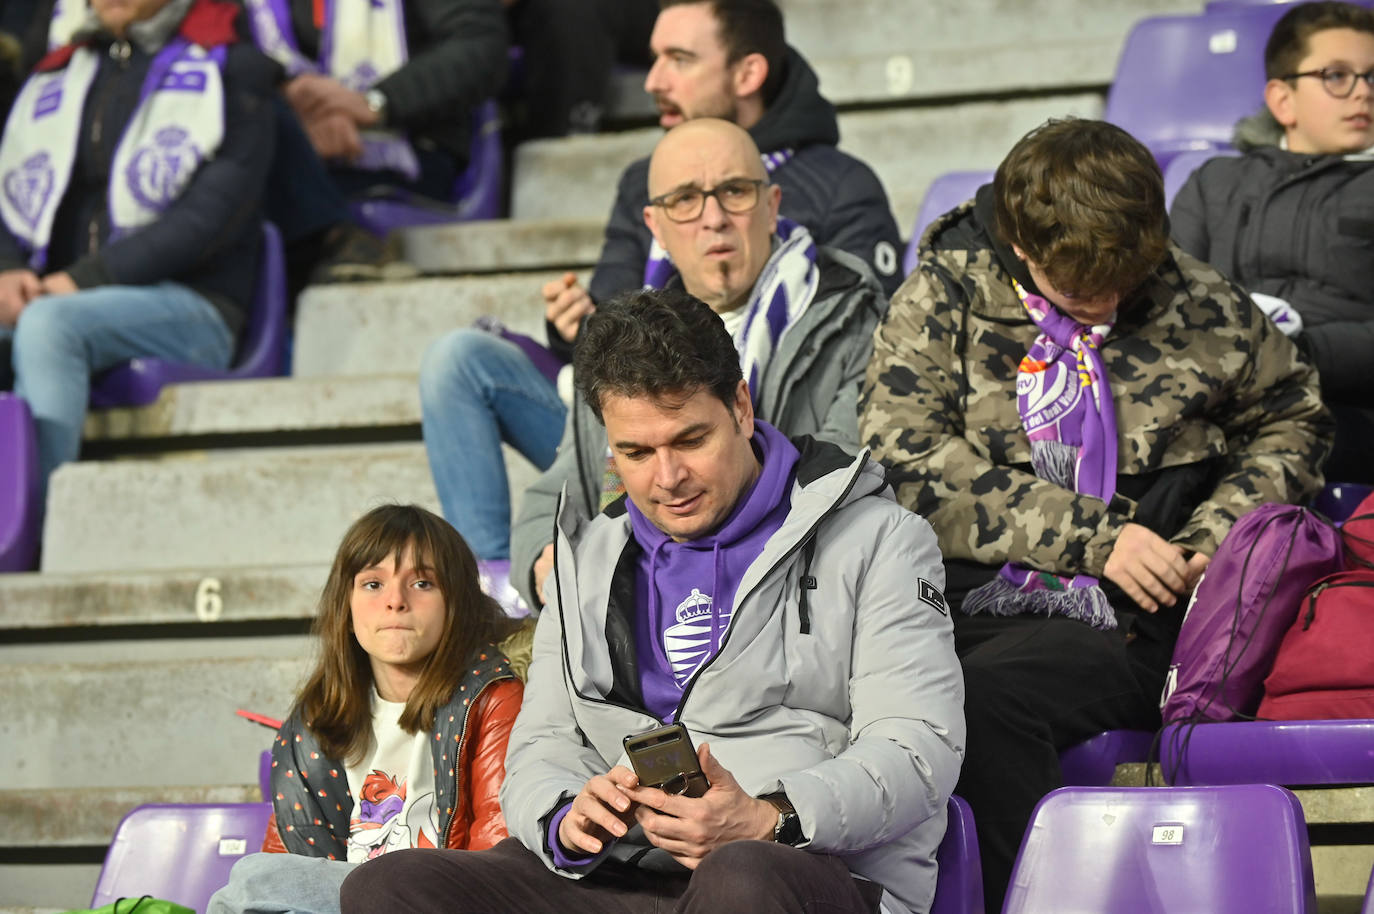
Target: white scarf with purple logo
(178, 124)
(1065, 401)
(362, 42)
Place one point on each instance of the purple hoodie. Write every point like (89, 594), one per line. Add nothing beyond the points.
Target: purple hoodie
(686, 591)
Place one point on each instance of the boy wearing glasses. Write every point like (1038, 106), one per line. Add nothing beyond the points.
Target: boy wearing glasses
(1291, 221)
(801, 316)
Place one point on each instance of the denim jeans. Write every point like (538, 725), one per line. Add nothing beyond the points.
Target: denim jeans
(61, 340)
(281, 884)
(477, 390)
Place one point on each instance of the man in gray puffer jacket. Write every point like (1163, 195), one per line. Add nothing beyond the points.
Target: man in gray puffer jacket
(1292, 220)
(766, 594)
(802, 317)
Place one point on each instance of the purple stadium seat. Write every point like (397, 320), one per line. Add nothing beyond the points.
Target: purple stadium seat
(1224, 850)
(476, 194)
(20, 528)
(1092, 762)
(943, 194)
(265, 775)
(1182, 82)
(494, 575)
(1340, 499)
(261, 351)
(1294, 753)
(179, 853)
(548, 364)
(1182, 166)
(1368, 906)
(959, 885)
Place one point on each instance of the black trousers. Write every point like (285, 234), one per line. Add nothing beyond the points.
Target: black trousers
(752, 877)
(1033, 686)
(1349, 461)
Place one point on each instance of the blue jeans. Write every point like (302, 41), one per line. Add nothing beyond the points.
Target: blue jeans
(477, 390)
(61, 340)
(281, 884)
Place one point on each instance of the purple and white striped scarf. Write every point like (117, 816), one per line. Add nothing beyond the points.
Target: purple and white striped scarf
(362, 42)
(1065, 401)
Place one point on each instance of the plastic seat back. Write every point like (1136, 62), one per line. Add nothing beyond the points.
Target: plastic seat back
(261, 353)
(943, 194)
(1092, 763)
(1225, 850)
(1338, 500)
(180, 853)
(1182, 166)
(959, 885)
(477, 194)
(20, 511)
(1182, 82)
(1297, 753)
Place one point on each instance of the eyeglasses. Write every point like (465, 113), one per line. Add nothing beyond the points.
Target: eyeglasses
(1339, 82)
(738, 196)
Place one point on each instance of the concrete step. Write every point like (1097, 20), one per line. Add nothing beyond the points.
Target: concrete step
(383, 328)
(126, 722)
(219, 509)
(503, 245)
(907, 147)
(88, 816)
(885, 51)
(314, 407)
(34, 602)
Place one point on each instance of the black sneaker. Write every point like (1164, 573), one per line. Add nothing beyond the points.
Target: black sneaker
(353, 254)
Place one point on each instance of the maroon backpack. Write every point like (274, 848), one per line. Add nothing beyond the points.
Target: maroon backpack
(1243, 606)
(1325, 668)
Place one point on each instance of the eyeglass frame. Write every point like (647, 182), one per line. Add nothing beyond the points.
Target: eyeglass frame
(1367, 76)
(758, 184)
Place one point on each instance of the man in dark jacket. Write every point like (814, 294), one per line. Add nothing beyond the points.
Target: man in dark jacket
(129, 219)
(1290, 220)
(714, 58)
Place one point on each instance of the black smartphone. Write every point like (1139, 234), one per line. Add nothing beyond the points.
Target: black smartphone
(665, 758)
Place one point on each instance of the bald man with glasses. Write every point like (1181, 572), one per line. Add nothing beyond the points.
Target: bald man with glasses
(801, 315)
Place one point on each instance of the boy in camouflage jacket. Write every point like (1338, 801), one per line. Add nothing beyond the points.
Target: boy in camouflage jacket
(1215, 411)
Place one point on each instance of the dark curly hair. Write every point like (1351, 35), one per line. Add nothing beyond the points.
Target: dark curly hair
(657, 343)
(1085, 201)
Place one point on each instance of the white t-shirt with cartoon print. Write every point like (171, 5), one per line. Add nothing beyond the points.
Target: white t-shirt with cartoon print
(394, 806)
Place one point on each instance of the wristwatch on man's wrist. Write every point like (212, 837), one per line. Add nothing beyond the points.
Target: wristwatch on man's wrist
(376, 103)
(788, 830)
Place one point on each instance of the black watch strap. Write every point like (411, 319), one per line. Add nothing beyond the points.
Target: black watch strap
(788, 830)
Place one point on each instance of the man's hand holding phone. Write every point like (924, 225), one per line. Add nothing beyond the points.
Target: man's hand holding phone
(601, 811)
(689, 828)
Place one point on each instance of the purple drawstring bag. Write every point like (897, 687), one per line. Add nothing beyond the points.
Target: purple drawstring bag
(1242, 608)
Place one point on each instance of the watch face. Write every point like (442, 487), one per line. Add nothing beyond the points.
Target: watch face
(789, 829)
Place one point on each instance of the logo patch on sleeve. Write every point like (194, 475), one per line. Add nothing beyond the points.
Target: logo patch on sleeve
(929, 593)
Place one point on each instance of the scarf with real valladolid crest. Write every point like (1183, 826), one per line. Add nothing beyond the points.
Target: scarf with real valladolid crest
(361, 43)
(1065, 401)
(178, 125)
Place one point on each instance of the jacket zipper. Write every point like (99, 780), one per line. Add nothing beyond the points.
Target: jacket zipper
(119, 52)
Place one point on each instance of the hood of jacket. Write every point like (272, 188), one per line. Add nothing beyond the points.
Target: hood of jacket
(1257, 131)
(799, 116)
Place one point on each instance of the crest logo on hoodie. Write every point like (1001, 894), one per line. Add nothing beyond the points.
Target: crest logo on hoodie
(689, 641)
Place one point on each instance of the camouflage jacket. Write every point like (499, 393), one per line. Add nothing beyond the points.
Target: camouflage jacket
(1198, 375)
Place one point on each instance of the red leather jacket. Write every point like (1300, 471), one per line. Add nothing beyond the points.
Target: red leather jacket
(477, 822)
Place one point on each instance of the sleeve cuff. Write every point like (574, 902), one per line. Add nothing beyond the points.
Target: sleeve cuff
(89, 272)
(564, 859)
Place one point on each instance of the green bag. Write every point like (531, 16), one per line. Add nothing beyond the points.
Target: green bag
(145, 905)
